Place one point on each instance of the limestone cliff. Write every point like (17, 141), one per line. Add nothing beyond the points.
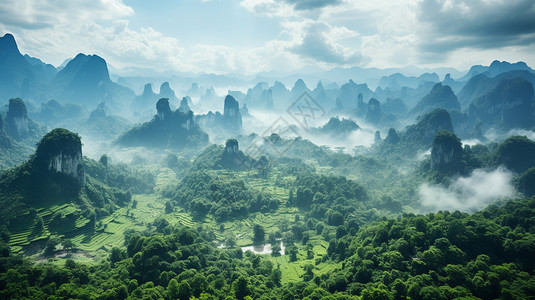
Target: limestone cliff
(446, 153)
(17, 119)
(232, 119)
(60, 151)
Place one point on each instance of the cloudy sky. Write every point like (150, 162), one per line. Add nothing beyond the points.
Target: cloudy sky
(250, 36)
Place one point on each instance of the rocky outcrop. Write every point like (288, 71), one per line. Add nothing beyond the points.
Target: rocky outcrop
(233, 158)
(184, 106)
(163, 109)
(446, 153)
(167, 92)
(392, 137)
(232, 119)
(60, 151)
(373, 115)
(17, 119)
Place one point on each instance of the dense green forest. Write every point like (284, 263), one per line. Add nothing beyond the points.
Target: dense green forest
(178, 230)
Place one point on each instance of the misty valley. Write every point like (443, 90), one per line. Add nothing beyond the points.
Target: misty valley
(351, 183)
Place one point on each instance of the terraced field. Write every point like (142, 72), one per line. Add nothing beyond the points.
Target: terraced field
(96, 241)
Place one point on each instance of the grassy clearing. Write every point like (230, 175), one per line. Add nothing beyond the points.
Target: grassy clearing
(293, 271)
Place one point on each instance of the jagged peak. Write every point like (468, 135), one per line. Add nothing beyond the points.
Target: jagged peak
(8, 44)
(147, 89)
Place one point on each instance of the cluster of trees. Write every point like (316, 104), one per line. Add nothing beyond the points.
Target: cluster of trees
(225, 197)
(435, 256)
(177, 265)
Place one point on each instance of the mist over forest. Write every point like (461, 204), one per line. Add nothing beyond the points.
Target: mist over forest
(307, 169)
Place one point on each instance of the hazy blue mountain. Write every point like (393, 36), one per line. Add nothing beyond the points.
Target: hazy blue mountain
(348, 97)
(85, 80)
(496, 68)
(481, 84)
(16, 72)
(337, 127)
(43, 70)
(167, 92)
(259, 96)
(441, 96)
(167, 129)
(428, 126)
(509, 104)
(53, 113)
(397, 81)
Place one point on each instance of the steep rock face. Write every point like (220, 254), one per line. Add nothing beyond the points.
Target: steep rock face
(425, 130)
(163, 109)
(517, 153)
(17, 119)
(60, 151)
(233, 158)
(441, 96)
(184, 106)
(509, 105)
(446, 153)
(392, 137)
(167, 92)
(373, 115)
(148, 93)
(231, 114)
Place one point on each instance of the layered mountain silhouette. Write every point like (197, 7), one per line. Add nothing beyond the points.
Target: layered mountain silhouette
(84, 80)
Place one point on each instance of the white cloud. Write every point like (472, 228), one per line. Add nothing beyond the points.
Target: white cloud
(468, 194)
(314, 32)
